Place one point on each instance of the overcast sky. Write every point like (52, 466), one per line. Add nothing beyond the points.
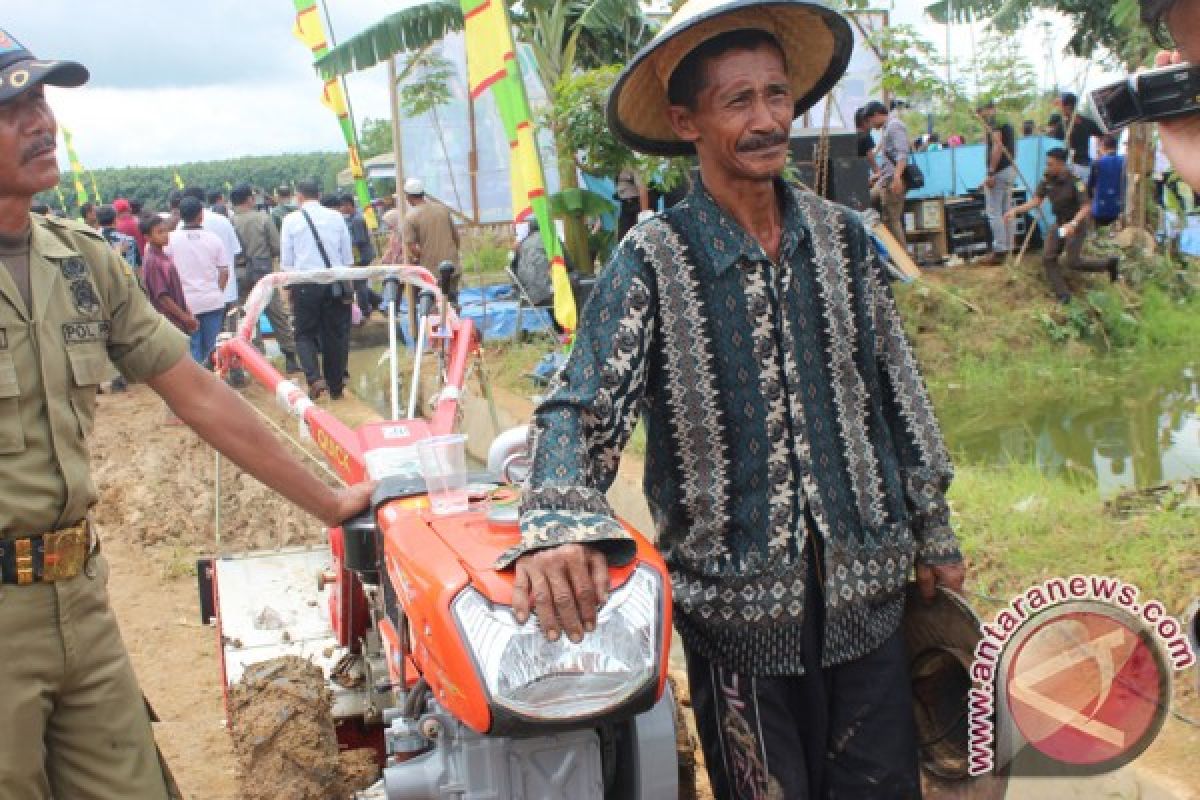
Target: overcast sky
(175, 82)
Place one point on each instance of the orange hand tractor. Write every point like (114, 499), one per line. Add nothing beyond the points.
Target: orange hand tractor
(412, 625)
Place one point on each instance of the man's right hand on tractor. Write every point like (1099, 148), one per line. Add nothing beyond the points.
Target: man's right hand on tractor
(564, 585)
(349, 502)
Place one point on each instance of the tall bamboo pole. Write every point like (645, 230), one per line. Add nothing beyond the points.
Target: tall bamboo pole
(397, 141)
(473, 159)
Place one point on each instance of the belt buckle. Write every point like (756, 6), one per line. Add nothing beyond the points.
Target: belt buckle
(64, 553)
(24, 561)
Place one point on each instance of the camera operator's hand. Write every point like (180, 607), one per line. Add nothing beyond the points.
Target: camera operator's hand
(1181, 137)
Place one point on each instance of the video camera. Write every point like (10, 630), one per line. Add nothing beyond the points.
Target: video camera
(1150, 96)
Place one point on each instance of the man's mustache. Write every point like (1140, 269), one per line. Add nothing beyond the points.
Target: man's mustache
(762, 141)
(43, 144)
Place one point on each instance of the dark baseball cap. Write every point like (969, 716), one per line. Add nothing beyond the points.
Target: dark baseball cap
(20, 71)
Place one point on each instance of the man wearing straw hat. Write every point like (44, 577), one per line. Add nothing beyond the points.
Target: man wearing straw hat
(794, 468)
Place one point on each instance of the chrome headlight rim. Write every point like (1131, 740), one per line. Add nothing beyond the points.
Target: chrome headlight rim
(639, 696)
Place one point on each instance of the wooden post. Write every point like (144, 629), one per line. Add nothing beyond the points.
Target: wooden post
(1139, 164)
(397, 142)
(473, 160)
(401, 200)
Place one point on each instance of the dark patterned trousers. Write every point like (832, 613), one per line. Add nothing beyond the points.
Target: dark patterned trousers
(840, 733)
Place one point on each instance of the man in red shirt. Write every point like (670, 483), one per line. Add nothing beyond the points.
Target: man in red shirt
(127, 224)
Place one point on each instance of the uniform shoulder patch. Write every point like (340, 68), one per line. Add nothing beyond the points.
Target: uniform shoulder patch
(74, 226)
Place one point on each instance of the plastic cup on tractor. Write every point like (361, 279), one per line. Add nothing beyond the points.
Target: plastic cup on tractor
(444, 468)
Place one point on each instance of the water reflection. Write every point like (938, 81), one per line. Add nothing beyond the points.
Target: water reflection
(369, 379)
(1139, 432)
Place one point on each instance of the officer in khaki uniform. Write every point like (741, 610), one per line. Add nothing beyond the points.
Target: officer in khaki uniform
(73, 724)
(1072, 221)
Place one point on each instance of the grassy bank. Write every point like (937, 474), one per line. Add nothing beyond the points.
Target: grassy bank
(1019, 527)
(998, 330)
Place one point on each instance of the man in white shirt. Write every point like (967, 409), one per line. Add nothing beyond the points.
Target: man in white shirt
(321, 312)
(223, 229)
(204, 270)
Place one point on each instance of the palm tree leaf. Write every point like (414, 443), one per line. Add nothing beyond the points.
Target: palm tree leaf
(1013, 14)
(600, 15)
(962, 11)
(1003, 15)
(408, 29)
(579, 203)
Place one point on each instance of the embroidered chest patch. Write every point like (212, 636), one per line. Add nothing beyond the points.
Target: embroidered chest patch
(89, 331)
(83, 294)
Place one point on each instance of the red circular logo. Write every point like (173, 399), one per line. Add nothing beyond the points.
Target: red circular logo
(1087, 687)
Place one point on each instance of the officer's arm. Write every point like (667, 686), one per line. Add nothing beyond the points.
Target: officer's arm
(223, 419)
(272, 236)
(1024, 208)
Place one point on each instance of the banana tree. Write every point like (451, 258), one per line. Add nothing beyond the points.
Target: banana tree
(563, 35)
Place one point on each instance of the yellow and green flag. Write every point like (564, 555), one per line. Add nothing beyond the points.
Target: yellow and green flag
(492, 65)
(95, 188)
(81, 195)
(178, 181)
(308, 29)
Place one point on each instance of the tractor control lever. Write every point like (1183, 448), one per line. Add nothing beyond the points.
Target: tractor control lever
(391, 289)
(425, 302)
(445, 273)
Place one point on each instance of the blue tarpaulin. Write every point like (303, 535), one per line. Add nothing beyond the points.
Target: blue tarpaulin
(493, 309)
(955, 171)
(497, 317)
(499, 321)
(1189, 240)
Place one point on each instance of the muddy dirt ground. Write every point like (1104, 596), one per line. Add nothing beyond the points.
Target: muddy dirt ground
(156, 516)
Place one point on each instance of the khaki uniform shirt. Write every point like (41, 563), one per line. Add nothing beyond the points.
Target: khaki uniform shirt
(1066, 196)
(429, 226)
(258, 235)
(88, 310)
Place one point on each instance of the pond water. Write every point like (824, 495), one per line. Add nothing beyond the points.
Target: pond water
(369, 379)
(1140, 428)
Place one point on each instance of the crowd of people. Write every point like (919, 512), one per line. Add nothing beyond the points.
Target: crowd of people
(1084, 181)
(199, 257)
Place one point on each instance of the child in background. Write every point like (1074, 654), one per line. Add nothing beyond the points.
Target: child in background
(161, 281)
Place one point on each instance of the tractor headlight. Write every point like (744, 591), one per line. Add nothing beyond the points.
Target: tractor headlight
(528, 674)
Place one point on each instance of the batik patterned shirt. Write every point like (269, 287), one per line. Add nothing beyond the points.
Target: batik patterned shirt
(771, 392)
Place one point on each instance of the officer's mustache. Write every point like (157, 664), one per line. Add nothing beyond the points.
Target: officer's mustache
(762, 141)
(44, 144)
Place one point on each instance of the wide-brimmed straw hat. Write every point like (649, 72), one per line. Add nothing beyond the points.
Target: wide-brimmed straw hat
(940, 637)
(817, 43)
